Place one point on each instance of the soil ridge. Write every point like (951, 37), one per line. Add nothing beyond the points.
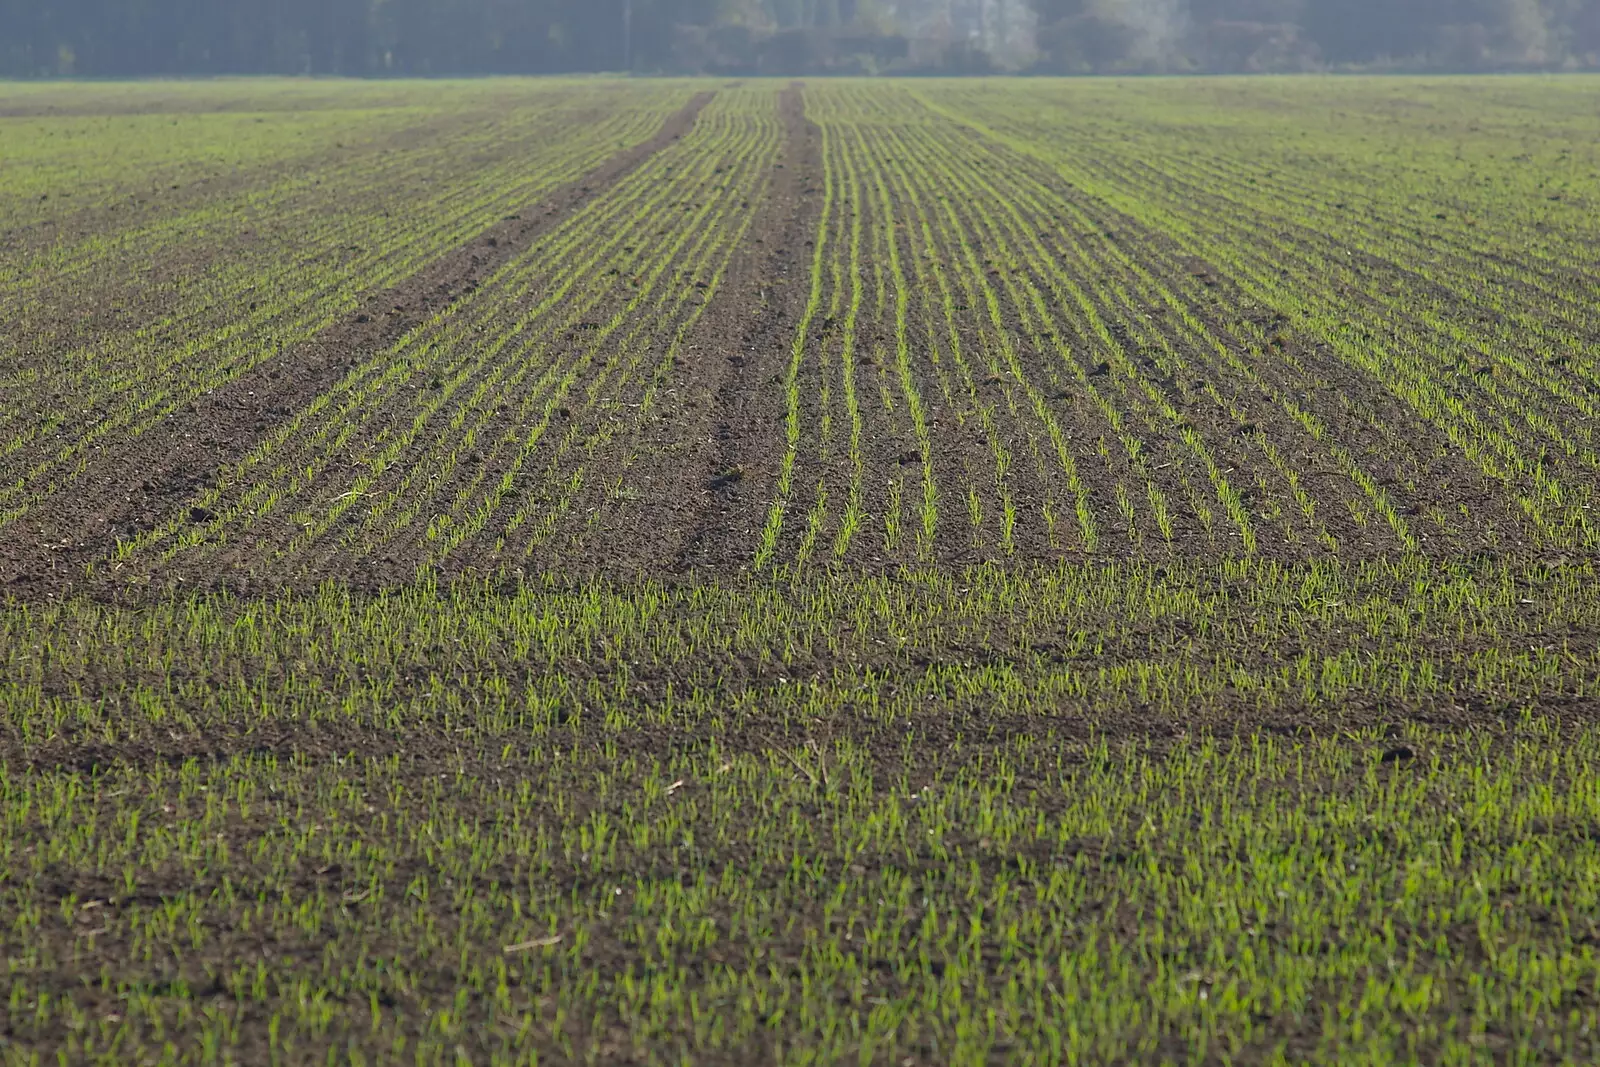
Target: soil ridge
(747, 438)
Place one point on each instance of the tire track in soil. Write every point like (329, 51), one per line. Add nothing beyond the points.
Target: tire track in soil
(137, 487)
(740, 464)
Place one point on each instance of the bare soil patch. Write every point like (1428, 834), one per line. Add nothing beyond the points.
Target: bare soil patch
(745, 353)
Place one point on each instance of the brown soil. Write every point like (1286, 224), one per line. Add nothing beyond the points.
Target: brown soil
(747, 340)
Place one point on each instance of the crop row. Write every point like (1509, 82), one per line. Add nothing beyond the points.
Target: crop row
(1080, 328)
(1440, 289)
(359, 227)
(472, 433)
(1120, 406)
(69, 171)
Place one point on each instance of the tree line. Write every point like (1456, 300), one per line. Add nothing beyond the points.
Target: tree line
(375, 38)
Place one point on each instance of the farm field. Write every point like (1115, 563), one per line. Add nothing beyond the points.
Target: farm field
(875, 571)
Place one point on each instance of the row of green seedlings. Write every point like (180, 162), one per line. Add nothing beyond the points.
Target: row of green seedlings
(653, 309)
(1527, 318)
(729, 164)
(767, 547)
(1278, 355)
(281, 174)
(364, 389)
(1417, 354)
(482, 370)
(1163, 355)
(1526, 286)
(1032, 307)
(1026, 301)
(862, 216)
(1128, 299)
(853, 169)
(888, 245)
(844, 245)
(71, 168)
(588, 288)
(174, 361)
(1553, 504)
(1158, 277)
(903, 406)
(452, 215)
(218, 355)
(292, 186)
(420, 490)
(942, 238)
(332, 205)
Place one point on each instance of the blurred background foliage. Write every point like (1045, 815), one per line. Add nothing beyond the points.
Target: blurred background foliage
(119, 38)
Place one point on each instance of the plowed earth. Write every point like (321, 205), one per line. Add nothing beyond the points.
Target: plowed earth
(848, 571)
